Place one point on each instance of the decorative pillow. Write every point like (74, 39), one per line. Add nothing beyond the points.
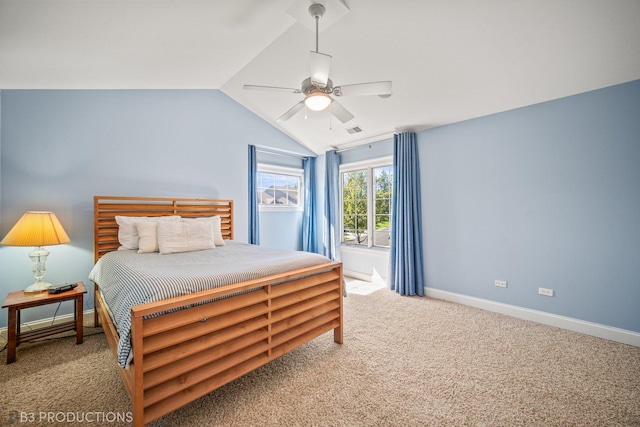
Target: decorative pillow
(127, 232)
(216, 225)
(148, 237)
(174, 237)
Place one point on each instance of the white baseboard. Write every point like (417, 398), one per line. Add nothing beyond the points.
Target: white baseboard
(589, 328)
(87, 321)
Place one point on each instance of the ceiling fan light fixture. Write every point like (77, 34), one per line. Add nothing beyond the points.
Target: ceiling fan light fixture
(317, 101)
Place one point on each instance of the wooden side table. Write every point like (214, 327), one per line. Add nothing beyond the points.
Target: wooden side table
(18, 300)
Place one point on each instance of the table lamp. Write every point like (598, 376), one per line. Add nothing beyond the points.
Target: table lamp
(37, 229)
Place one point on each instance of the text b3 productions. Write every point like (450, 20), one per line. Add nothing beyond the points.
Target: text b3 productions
(71, 418)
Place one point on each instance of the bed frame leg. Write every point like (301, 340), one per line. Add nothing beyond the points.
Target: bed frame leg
(137, 421)
(96, 317)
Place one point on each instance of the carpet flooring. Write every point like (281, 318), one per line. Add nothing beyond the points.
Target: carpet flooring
(404, 362)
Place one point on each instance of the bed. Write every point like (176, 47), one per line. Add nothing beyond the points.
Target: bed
(186, 346)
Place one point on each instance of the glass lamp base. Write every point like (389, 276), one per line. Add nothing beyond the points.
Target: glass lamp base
(38, 257)
(39, 286)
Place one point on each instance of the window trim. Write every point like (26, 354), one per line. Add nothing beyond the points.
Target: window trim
(373, 163)
(369, 165)
(283, 170)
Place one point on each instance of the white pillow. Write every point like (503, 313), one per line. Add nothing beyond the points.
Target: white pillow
(174, 237)
(216, 225)
(127, 232)
(148, 237)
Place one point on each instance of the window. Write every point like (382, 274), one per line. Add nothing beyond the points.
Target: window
(279, 187)
(355, 207)
(366, 202)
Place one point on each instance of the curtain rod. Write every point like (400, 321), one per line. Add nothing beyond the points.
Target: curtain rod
(381, 137)
(354, 148)
(280, 153)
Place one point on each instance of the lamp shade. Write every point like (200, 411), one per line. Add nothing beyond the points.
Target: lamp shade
(36, 229)
(317, 101)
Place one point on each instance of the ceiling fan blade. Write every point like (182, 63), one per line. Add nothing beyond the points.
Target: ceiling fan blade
(340, 112)
(382, 89)
(320, 66)
(272, 88)
(292, 112)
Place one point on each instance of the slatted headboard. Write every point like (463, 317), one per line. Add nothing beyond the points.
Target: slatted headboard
(105, 209)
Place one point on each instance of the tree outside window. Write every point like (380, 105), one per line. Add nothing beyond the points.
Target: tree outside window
(366, 205)
(355, 207)
(382, 198)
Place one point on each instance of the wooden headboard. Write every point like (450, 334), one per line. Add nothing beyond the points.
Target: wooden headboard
(105, 209)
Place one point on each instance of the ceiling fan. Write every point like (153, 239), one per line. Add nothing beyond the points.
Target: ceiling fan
(318, 88)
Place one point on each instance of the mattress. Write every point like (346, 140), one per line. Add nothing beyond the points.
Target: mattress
(127, 278)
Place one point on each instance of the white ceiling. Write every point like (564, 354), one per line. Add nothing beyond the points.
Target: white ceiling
(449, 60)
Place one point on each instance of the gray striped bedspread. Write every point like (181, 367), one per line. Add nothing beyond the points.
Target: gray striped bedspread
(127, 278)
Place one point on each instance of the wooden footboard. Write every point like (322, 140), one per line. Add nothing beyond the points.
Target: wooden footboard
(183, 355)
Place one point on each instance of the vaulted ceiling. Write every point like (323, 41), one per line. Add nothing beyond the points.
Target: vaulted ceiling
(448, 60)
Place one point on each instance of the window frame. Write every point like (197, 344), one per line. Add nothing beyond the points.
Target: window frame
(369, 165)
(283, 170)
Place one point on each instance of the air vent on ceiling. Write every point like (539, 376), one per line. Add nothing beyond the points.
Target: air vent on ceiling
(355, 129)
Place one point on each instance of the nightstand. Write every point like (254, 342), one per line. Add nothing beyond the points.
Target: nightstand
(18, 300)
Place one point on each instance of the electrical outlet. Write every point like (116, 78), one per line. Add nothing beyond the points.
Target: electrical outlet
(501, 283)
(546, 292)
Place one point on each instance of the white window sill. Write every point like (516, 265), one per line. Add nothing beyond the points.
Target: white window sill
(364, 249)
(267, 208)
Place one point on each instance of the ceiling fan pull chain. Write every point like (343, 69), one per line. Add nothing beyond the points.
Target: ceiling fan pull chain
(330, 116)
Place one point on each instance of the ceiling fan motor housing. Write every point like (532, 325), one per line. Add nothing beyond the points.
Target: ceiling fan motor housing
(308, 87)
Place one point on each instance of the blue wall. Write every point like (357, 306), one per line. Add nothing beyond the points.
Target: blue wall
(60, 148)
(284, 230)
(542, 196)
